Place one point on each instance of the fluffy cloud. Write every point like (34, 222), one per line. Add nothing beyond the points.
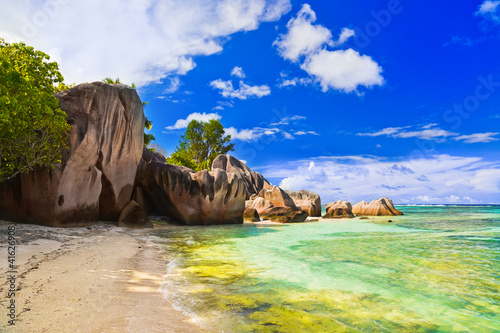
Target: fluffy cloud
(138, 41)
(303, 37)
(238, 72)
(490, 10)
(432, 132)
(183, 123)
(244, 91)
(434, 179)
(343, 70)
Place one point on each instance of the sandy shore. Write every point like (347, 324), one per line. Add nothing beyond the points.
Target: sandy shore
(98, 279)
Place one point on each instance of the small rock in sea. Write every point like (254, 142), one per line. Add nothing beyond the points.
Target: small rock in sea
(364, 218)
(389, 221)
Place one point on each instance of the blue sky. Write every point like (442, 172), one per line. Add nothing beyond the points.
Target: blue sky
(353, 100)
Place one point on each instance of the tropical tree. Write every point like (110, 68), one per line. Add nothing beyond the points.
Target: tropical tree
(201, 144)
(32, 126)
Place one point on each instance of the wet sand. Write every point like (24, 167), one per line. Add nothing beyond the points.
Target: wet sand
(98, 279)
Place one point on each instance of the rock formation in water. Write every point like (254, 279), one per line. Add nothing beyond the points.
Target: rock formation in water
(338, 209)
(308, 201)
(259, 204)
(380, 207)
(276, 205)
(95, 180)
(251, 215)
(284, 214)
(201, 198)
(277, 197)
(254, 181)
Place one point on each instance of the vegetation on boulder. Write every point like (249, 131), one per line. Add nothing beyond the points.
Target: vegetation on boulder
(32, 126)
(201, 144)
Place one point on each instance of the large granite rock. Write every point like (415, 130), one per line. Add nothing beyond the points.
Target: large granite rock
(380, 207)
(251, 215)
(277, 197)
(308, 201)
(201, 198)
(284, 214)
(259, 204)
(96, 178)
(276, 205)
(338, 209)
(134, 216)
(254, 181)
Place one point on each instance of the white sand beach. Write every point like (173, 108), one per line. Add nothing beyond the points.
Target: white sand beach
(98, 279)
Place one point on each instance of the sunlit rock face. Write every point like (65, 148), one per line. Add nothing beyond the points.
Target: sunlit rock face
(201, 198)
(339, 209)
(308, 201)
(380, 207)
(96, 178)
(254, 181)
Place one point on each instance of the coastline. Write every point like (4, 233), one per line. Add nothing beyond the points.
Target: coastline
(97, 279)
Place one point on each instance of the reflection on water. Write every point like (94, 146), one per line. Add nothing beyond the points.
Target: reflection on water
(436, 269)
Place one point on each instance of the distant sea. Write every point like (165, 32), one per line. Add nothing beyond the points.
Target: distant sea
(435, 269)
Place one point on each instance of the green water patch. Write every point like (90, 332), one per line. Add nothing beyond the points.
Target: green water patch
(348, 276)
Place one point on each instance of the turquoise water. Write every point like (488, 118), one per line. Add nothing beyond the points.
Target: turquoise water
(436, 269)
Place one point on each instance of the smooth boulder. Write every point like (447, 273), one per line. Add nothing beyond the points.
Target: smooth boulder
(380, 207)
(338, 209)
(201, 198)
(96, 177)
(308, 201)
(254, 181)
(251, 215)
(134, 216)
(284, 214)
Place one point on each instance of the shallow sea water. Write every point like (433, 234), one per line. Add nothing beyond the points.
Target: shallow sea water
(436, 269)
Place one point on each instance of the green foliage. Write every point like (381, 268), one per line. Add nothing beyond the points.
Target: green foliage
(109, 80)
(32, 126)
(201, 144)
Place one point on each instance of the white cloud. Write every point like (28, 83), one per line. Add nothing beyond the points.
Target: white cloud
(294, 82)
(488, 7)
(489, 10)
(432, 132)
(218, 107)
(173, 86)
(243, 92)
(302, 37)
(344, 36)
(251, 134)
(448, 179)
(343, 70)
(305, 133)
(238, 72)
(183, 123)
(478, 137)
(137, 41)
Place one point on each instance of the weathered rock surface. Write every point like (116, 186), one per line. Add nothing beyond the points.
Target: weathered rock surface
(284, 214)
(308, 201)
(134, 216)
(380, 207)
(96, 178)
(251, 215)
(254, 181)
(259, 204)
(338, 209)
(202, 198)
(277, 197)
